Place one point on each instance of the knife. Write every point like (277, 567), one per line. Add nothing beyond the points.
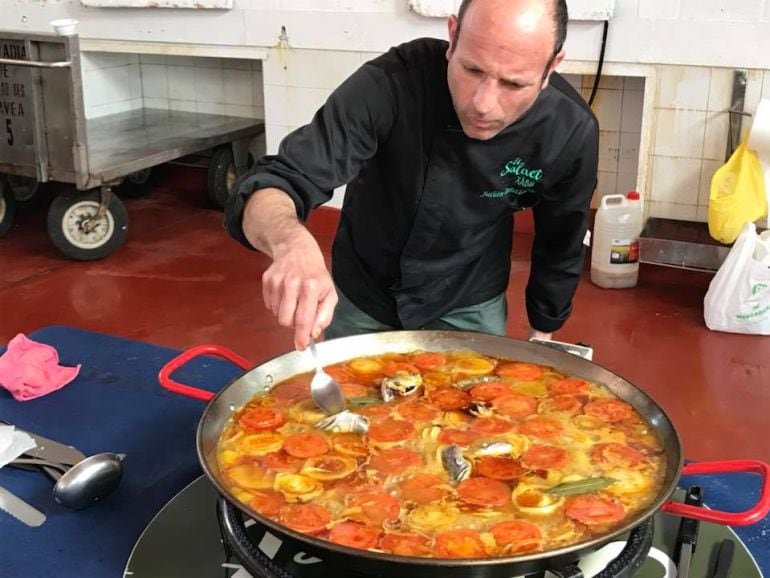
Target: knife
(51, 450)
(687, 537)
(20, 509)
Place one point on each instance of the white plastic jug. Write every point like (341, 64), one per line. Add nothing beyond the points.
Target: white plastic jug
(615, 241)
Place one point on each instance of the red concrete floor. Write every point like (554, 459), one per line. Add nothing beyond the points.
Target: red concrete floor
(181, 281)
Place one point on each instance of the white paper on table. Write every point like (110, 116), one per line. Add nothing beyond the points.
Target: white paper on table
(13, 443)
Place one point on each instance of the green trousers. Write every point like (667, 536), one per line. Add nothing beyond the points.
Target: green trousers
(487, 317)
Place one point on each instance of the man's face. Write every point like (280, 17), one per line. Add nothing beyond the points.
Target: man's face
(496, 66)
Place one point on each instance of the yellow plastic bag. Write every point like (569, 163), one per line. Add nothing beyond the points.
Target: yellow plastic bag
(737, 195)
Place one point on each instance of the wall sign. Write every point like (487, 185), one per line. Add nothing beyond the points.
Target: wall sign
(194, 4)
(578, 9)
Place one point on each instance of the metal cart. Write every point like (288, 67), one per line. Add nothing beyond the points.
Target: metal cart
(45, 136)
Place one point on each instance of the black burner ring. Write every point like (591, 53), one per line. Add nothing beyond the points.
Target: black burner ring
(237, 540)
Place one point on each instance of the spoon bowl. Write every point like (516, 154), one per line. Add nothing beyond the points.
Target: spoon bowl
(325, 391)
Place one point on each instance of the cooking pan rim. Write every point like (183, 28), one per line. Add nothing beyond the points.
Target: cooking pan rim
(663, 496)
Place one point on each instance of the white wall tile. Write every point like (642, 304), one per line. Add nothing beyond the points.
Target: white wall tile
(338, 66)
(305, 68)
(684, 87)
(209, 85)
(626, 182)
(607, 107)
(706, 174)
(154, 81)
(721, 10)
(606, 184)
(158, 103)
(134, 81)
(672, 211)
(753, 89)
(211, 107)
(680, 133)
(259, 112)
(701, 214)
(275, 67)
(628, 155)
(274, 134)
(238, 63)
(181, 83)
(277, 104)
(632, 110)
(720, 89)
(659, 9)
(238, 87)
(183, 105)
(152, 59)
(258, 90)
(675, 180)
(715, 141)
(176, 60)
(634, 83)
(575, 80)
(766, 80)
(609, 145)
(305, 103)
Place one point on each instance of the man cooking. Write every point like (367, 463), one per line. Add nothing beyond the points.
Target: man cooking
(439, 144)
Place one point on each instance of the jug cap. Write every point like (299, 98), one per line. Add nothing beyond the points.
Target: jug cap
(632, 196)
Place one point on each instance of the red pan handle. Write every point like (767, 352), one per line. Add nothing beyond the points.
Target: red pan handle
(164, 376)
(751, 516)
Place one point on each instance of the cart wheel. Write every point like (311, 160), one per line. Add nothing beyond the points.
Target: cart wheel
(7, 207)
(135, 185)
(222, 175)
(24, 188)
(68, 217)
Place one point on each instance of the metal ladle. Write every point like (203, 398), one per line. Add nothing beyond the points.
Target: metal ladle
(325, 391)
(84, 483)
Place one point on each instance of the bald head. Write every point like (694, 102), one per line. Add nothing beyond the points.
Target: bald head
(529, 10)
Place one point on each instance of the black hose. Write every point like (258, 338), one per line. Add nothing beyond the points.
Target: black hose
(601, 63)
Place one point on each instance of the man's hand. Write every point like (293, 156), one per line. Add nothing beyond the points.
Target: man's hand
(297, 287)
(535, 334)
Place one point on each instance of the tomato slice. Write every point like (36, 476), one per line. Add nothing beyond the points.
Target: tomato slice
(490, 426)
(499, 467)
(405, 544)
(609, 410)
(542, 457)
(280, 461)
(355, 535)
(391, 430)
(423, 488)
(306, 445)
(459, 543)
(520, 371)
(394, 367)
(261, 418)
(517, 536)
(541, 427)
(379, 410)
(568, 385)
(268, 503)
(427, 360)
(328, 467)
(350, 444)
(562, 403)
(305, 518)
(353, 389)
(417, 411)
(593, 510)
(616, 455)
(375, 507)
(484, 492)
(460, 437)
(340, 373)
(395, 460)
(293, 390)
(448, 398)
(515, 404)
(490, 390)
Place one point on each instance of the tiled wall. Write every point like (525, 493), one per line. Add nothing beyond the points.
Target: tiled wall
(115, 83)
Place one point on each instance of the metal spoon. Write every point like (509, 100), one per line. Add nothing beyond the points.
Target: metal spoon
(326, 393)
(84, 483)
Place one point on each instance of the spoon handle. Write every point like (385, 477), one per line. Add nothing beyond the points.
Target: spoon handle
(314, 353)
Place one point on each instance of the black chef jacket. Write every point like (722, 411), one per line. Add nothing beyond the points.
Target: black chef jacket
(427, 219)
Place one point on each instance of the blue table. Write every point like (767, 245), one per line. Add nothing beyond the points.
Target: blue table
(116, 404)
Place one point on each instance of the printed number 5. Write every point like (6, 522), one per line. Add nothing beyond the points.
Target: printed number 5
(9, 130)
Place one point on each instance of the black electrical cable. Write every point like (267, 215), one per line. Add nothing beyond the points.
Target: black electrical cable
(601, 63)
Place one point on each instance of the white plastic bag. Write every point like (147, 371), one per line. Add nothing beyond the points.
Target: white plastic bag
(738, 298)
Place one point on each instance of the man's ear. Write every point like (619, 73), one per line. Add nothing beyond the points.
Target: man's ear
(452, 28)
(551, 67)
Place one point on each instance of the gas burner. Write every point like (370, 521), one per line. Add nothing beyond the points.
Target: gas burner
(184, 540)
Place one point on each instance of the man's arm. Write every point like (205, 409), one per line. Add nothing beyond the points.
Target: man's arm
(297, 287)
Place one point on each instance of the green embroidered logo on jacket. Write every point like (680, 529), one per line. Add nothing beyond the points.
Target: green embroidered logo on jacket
(524, 179)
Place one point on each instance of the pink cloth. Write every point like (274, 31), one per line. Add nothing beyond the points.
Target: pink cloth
(29, 369)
